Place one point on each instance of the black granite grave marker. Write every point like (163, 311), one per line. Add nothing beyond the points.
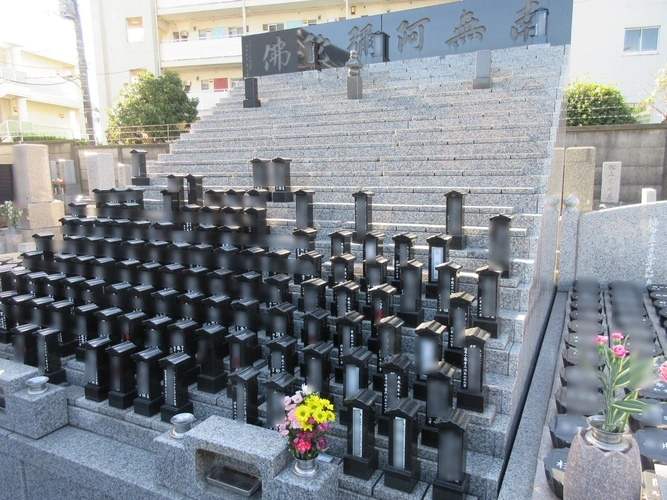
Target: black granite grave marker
(448, 283)
(363, 214)
(438, 253)
(361, 459)
(439, 401)
(244, 392)
(499, 244)
(460, 319)
(182, 338)
(149, 376)
(176, 400)
(315, 327)
(342, 269)
(25, 344)
(123, 384)
(211, 349)
(348, 336)
(395, 386)
(404, 469)
(452, 481)
(97, 369)
(403, 252)
(278, 387)
(156, 332)
(428, 354)
(355, 370)
(317, 368)
(304, 208)
(488, 299)
(454, 219)
(313, 295)
(344, 298)
(281, 318)
(385, 346)
(282, 355)
(340, 242)
(243, 349)
(473, 394)
(85, 327)
(410, 304)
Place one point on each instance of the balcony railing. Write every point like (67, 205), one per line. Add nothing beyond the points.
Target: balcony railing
(14, 130)
(178, 4)
(214, 50)
(53, 86)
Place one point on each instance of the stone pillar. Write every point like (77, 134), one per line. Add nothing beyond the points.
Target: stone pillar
(648, 196)
(611, 182)
(580, 176)
(482, 78)
(354, 84)
(123, 175)
(33, 189)
(568, 243)
(100, 172)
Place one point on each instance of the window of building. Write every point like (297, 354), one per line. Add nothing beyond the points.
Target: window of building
(205, 85)
(220, 84)
(134, 74)
(219, 32)
(135, 29)
(308, 22)
(640, 40)
(176, 35)
(237, 31)
(236, 82)
(273, 27)
(204, 34)
(184, 36)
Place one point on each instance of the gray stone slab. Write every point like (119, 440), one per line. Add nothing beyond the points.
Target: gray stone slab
(87, 458)
(12, 479)
(35, 415)
(42, 484)
(356, 485)
(14, 375)
(288, 485)
(611, 182)
(382, 492)
(120, 430)
(579, 175)
(257, 448)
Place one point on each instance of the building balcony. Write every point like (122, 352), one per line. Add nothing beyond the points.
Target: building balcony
(56, 90)
(179, 54)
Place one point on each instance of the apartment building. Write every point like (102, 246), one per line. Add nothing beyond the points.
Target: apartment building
(39, 92)
(201, 39)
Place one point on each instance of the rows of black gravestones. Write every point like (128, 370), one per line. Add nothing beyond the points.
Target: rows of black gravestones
(592, 311)
(201, 292)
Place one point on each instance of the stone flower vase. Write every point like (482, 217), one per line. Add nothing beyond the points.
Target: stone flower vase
(602, 465)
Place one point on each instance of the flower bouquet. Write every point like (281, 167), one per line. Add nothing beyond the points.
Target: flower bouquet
(307, 420)
(620, 370)
(12, 213)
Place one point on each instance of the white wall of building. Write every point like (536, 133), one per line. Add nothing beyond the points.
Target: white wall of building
(115, 55)
(598, 37)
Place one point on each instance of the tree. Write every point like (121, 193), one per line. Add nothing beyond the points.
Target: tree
(657, 101)
(151, 110)
(596, 104)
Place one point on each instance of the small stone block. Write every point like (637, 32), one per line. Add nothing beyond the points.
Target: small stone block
(148, 408)
(211, 385)
(36, 415)
(412, 319)
(429, 436)
(419, 390)
(141, 181)
(354, 87)
(648, 196)
(288, 485)
(14, 375)
(95, 392)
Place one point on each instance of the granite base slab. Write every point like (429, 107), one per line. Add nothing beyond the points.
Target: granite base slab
(288, 485)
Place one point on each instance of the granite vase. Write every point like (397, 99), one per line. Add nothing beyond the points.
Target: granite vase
(602, 465)
(305, 468)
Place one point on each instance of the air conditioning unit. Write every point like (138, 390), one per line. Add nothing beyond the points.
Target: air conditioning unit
(187, 83)
(184, 34)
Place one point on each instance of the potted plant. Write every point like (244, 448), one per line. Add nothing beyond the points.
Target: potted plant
(307, 420)
(605, 454)
(12, 214)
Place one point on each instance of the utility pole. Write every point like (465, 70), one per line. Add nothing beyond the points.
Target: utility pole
(69, 9)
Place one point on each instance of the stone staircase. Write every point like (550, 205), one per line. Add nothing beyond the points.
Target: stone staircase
(418, 132)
